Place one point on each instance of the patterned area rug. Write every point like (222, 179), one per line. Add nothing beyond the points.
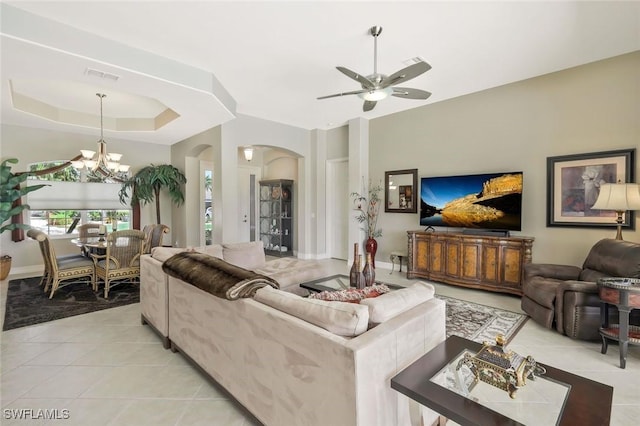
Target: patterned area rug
(27, 303)
(480, 323)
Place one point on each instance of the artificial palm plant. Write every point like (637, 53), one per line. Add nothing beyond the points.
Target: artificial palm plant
(146, 184)
(11, 190)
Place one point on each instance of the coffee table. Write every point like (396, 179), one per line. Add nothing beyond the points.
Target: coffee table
(335, 282)
(555, 398)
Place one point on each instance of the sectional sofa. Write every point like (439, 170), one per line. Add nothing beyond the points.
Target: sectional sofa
(291, 360)
(154, 292)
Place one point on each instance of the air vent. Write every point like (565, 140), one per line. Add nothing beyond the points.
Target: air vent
(101, 74)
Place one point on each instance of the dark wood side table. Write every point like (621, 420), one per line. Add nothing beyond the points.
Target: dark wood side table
(624, 293)
(585, 401)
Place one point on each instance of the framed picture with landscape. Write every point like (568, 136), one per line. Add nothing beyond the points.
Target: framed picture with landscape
(401, 191)
(573, 186)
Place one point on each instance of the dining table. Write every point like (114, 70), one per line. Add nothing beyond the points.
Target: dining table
(89, 245)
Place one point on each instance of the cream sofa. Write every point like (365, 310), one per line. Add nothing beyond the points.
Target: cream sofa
(290, 360)
(154, 296)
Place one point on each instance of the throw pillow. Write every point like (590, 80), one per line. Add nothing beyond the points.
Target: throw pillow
(351, 295)
(394, 303)
(343, 319)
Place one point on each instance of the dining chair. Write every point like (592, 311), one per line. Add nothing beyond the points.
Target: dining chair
(87, 230)
(154, 234)
(121, 262)
(60, 268)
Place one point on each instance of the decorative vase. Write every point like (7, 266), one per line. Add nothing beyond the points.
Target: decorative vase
(355, 276)
(369, 271)
(371, 246)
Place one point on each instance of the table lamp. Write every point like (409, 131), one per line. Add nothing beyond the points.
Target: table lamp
(619, 197)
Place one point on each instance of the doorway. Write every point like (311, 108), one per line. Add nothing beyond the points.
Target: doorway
(248, 187)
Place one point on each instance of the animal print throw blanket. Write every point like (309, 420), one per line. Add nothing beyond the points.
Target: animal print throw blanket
(216, 276)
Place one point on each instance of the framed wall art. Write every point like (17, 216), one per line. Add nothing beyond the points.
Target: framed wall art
(401, 191)
(573, 185)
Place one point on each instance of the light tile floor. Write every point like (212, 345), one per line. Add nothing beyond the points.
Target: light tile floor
(105, 368)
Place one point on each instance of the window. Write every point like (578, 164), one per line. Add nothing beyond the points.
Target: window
(60, 222)
(72, 199)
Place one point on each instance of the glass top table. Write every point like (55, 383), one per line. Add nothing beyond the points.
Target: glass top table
(556, 397)
(540, 401)
(336, 282)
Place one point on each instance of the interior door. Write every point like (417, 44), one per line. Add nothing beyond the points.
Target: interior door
(248, 187)
(338, 209)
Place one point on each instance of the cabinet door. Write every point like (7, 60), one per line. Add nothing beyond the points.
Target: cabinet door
(511, 263)
(421, 255)
(437, 257)
(452, 256)
(471, 260)
(490, 264)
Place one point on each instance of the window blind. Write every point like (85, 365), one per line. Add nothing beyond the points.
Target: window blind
(75, 196)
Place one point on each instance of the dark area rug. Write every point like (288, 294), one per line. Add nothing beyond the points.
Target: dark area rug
(28, 304)
(481, 323)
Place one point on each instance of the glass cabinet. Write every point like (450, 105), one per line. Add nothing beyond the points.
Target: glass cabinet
(276, 216)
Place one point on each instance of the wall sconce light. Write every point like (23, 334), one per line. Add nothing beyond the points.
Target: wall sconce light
(248, 153)
(619, 197)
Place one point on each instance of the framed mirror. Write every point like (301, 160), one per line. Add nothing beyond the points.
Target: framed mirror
(401, 191)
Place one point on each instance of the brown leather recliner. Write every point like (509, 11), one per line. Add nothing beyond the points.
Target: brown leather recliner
(566, 297)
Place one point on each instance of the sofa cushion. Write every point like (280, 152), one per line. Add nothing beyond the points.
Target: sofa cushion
(163, 253)
(249, 255)
(343, 319)
(290, 272)
(214, 250)
(388, 305)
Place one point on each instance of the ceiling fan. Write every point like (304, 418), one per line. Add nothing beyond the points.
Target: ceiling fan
(376, 87)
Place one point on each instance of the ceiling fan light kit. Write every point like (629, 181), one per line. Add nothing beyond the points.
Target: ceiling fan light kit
(376, 87)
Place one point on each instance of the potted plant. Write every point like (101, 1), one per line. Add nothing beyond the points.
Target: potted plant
(368, 207)
(11, 190)
(146, 184)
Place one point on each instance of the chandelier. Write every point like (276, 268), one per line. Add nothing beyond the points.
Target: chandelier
(106, 164)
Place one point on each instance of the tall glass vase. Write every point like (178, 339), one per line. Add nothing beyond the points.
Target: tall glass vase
(369, 271)
(355, 276)
(371, 246)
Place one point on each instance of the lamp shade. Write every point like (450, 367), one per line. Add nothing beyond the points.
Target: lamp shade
(618, 197)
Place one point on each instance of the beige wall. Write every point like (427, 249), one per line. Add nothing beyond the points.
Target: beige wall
(591, 108)
(186, 156)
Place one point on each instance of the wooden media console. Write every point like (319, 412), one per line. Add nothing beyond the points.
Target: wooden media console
(487, 262)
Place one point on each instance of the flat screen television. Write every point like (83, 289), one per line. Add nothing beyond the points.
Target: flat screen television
(489, 201)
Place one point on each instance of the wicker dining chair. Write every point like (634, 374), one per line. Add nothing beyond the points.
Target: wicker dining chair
(60, 268)
(153, 235)
(121, 262)
(87, 230)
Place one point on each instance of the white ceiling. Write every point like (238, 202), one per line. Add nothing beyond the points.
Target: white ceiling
(275, 58)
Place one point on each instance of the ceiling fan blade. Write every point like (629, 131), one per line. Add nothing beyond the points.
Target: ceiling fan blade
(368, 105)
(364, 81)
(355, 92)
(405, 74)
(408, 93)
